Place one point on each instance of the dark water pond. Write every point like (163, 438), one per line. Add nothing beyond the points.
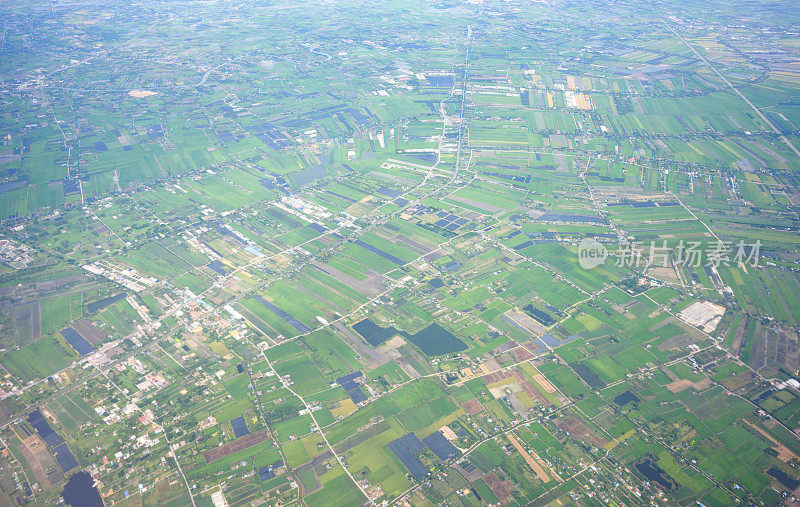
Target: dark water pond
(787, 480)
(77, 341)
(98, 305)
(625, 398)
(654, 473)
(433, 340)
(80, 491)
(373, 333)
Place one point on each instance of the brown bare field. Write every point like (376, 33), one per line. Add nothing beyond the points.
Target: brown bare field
(739, 336)
(530, 460)
(579, 431)
(42, 464)
(737, 381)
(240, 444)
(489, 366)
(373, 285)
(521, 354)
(546, 385)
(501, 489)
(91, 332)
(784, 453)
(472, 406)
(523, 381)
(682, 384)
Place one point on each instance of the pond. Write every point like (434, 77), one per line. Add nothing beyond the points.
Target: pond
(787, 480)
(373, 333)
(80, 491)
(625, 398)
(434, 340)
(654, 473)
(98, 305)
